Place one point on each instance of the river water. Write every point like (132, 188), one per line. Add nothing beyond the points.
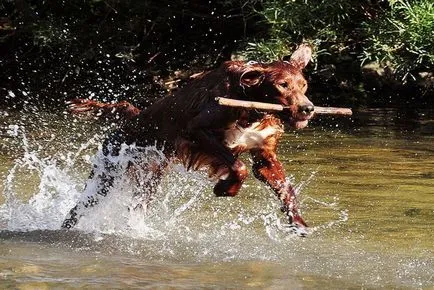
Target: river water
(366, 186)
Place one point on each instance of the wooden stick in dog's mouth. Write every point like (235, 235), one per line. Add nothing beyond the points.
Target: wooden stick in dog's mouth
(276, 107)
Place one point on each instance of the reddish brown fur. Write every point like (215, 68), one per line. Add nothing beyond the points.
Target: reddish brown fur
(190, 126)
(122, 109)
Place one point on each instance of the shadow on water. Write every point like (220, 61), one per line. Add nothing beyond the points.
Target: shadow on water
(366, 190)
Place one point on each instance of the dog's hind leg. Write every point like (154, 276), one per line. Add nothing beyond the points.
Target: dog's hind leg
(100, 180)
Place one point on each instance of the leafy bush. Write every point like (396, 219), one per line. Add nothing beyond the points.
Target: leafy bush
(403, 37)
(396, 33)
(333, 23)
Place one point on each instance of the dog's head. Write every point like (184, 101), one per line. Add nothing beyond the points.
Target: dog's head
(280, 82)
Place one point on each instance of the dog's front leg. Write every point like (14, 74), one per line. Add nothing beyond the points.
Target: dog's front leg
(269, 170)
(237, 171)
(202, 132)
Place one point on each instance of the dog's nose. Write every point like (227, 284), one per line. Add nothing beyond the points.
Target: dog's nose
(306, 109)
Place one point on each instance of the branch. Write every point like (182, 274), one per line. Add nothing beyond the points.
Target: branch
(276, 107)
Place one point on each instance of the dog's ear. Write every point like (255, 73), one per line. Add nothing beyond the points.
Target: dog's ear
(301, 57)
(252, 77)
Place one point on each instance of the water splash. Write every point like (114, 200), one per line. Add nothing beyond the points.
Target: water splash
(183, 202)
(56, 190)
(184, 223)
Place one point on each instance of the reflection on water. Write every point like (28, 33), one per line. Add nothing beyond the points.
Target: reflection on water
(366, 187)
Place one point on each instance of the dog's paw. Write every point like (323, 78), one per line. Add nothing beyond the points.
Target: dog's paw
(293, 228)
(296, 229)
(69, 223)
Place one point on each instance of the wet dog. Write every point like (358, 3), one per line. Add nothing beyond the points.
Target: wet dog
(191, 127)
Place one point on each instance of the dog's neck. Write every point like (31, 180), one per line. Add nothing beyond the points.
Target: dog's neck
(248, 117)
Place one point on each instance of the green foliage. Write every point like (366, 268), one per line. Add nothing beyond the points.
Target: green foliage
(266, 50)
(397, 33)
(321, 20)
(317, 22)
(403, 37)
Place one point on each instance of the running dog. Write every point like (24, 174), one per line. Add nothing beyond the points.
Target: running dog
(191, 127)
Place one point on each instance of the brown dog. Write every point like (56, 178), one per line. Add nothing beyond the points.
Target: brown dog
(192, 127)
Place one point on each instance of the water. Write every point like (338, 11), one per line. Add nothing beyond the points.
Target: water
(367, 192)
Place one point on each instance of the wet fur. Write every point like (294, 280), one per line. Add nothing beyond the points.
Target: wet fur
(192, 128)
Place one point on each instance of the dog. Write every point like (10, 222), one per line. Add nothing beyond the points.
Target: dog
(191, 127)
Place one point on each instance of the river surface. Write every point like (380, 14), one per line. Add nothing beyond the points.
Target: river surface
(366, 185)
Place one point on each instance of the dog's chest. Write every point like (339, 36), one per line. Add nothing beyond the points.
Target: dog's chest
(254, 136)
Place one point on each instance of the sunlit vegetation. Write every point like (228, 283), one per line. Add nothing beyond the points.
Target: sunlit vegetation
(370, 52)
(396, 33)
(403, 37)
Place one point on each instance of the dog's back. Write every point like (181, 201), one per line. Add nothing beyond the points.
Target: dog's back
(167, 120)
(193, 128)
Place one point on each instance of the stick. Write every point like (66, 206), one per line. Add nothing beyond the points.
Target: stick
(276, 107)
(333, 111)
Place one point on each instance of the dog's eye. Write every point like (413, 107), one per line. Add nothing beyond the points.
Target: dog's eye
(283, 85)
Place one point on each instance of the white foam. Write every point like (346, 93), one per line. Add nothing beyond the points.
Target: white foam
(182, 200)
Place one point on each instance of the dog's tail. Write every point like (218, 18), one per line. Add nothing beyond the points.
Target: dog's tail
(121, 111)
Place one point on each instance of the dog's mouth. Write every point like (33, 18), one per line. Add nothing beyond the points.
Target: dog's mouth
(300, 121)
(296, 117)
(300, 124)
